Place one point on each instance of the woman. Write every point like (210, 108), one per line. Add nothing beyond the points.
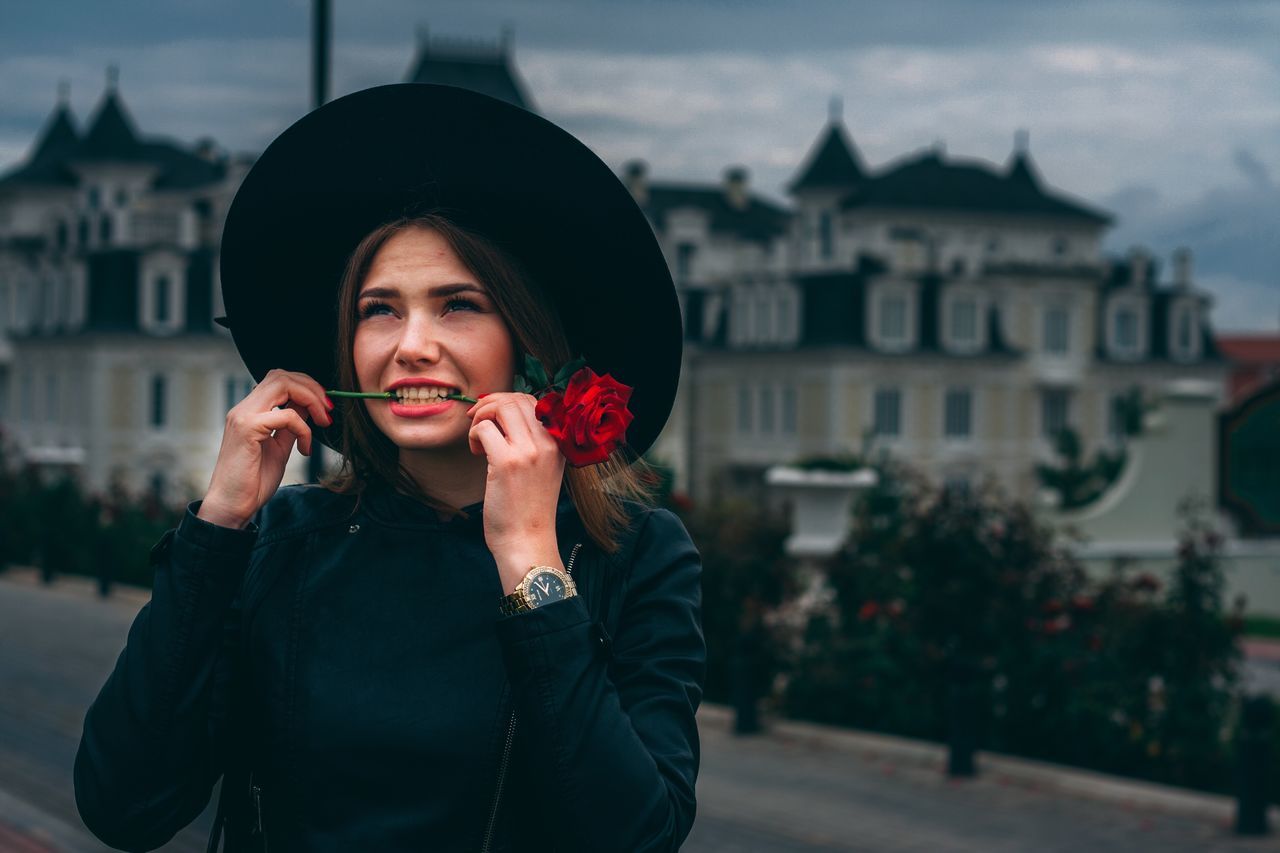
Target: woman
(458, 643)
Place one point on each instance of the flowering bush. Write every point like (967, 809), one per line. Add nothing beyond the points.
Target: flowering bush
(1122, 675)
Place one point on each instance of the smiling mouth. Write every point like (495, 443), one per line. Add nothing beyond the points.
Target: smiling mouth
(422, 395)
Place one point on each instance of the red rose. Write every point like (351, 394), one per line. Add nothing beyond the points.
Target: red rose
(589, 419)
(869, 610)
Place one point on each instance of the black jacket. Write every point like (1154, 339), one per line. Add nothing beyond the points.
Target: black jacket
(347, 669)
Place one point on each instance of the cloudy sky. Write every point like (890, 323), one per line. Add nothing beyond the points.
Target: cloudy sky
(1167, 114)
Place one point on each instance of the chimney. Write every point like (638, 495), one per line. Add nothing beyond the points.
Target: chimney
(1138, 265)
(635, 175)
(1182, 268)
(735, 187)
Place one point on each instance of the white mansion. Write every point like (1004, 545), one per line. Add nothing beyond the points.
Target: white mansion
(957, 312)
(952, 312)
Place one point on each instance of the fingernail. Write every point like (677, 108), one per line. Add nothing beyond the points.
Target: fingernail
(328, 402)
(482, 396)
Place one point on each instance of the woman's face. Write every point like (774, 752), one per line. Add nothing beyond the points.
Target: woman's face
(423, 317)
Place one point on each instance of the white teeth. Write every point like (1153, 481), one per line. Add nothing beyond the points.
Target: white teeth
(422, 394)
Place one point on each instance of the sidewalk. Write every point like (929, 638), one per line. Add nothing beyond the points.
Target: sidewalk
(1004, 770)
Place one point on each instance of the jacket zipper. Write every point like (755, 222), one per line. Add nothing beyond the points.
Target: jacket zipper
(506, 750)
(256, 790)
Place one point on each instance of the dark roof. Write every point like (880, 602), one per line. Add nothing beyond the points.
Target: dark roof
(925, 181)
(481, 68)
(832, 163)
(759, 220)
(44, 166)
(111, 135)
(58, 137)
(181, 169)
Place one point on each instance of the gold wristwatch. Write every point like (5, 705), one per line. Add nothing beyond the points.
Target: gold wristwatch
(541, 586)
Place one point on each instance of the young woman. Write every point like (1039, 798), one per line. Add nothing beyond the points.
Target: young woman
(459, 641)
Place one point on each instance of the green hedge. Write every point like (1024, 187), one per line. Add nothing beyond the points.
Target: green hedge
(1125, 675)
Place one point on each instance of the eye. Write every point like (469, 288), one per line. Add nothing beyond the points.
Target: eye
(371, 307)
(456, 301)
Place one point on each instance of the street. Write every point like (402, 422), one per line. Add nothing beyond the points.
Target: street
(766, 793)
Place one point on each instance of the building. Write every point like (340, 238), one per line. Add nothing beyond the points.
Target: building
(1254, 359)
(110, 364)
(954, 313)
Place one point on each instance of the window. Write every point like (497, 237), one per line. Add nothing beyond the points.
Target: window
(236, 389)
(27, 402)
(1126, 329)
(94, 198)
(744, 409)
(784, 316)
(1185, 345)
(964, 322)
(893, 319)
(1116, 416)
(958, 413)
(825, 243)
(887, 417)
(788, 410)
(685, 253)
(51, 398)
(766, 410)
(1056, 331)
(159, 390)
(764, 317)
(160, 299)
(5, 316)
(104, 229)
(1054, 411)
(156, 486)
(82, 231)
(122, 197)
(60, 235)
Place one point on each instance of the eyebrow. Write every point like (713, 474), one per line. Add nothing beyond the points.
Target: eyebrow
(442, 290)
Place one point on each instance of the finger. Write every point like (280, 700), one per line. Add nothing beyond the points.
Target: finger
(288, 425)
(485, 439)
(511, 418)
(279, 387)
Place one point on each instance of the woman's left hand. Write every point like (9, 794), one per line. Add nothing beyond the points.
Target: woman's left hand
(522, 488)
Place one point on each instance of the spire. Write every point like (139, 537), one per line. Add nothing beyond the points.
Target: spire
(834, 109)
(113, 78)
(832, 161)
(1021, 169)
(64, 93)
(111, 134)
(59, 135)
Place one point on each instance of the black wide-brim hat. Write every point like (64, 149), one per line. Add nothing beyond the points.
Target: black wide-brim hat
(377, 155)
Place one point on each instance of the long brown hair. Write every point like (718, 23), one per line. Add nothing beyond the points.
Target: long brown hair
(368, 456)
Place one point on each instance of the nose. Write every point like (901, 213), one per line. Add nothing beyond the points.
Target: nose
(419, 341)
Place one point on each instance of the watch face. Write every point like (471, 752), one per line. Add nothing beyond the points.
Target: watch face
(545, 587)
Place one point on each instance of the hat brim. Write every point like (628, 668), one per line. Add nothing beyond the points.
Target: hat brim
(375, 155)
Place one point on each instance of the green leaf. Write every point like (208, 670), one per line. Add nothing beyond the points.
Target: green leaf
(535, 372)
(566, 372)
(522, 385)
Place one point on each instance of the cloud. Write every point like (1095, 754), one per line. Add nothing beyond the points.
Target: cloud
(1254, 170)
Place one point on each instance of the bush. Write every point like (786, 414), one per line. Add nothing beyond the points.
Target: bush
(59, 529)
(1116, 675)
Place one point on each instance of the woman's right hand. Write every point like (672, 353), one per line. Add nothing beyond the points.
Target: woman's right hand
(259, 436)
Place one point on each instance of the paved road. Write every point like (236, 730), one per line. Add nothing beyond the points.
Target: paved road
(755, 794)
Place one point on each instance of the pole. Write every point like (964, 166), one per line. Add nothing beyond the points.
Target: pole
(320, 18)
